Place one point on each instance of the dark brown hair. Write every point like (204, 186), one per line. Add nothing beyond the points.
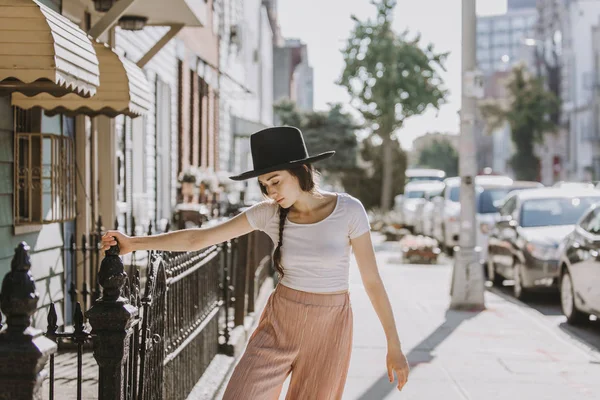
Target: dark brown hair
(306, 176)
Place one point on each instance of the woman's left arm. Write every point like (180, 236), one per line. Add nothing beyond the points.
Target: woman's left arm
(367, 265)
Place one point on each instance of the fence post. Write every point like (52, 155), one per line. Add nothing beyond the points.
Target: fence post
(251, 262)
(226, 346)
(239, 263)
(24, 350)
(111, 318)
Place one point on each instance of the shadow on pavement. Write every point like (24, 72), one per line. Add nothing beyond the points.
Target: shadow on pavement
(546, 301)
(421, 353)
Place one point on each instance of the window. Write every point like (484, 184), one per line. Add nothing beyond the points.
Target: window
(55, 5)
(483, 25)
(483, 41)
(44, 173)
(519, 22)
(414, 194)
(554, 211)
(501, 24)
(454, 194)
(500, 38)
(488, 198)
(483, 54)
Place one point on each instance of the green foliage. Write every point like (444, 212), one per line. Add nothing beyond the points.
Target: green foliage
(365, 184)
(324, 131)
(390, 77)
(528, 114)
(440, 155)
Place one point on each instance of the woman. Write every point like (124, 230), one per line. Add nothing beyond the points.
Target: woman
(306, 326)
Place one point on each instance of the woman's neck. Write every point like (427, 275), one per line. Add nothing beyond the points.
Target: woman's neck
(308, 202)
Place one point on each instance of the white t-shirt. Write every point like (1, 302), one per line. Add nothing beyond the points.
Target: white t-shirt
(315, 257)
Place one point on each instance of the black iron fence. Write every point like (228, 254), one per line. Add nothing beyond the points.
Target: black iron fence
(153, 343)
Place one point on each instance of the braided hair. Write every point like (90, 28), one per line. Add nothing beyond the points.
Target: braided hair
(283, 212)
(306, 178)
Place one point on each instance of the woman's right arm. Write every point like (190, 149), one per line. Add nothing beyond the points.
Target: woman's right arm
(183, 240)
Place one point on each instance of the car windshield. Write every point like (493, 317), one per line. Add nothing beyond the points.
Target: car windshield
(414, 194)
(487, 197)
(554, 211)
(454, 193)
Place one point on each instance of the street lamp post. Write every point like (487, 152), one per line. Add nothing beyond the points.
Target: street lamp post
(467, 277)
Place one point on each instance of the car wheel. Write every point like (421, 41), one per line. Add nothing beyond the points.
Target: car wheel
(567, 301)
(496, 279)
(519, 290)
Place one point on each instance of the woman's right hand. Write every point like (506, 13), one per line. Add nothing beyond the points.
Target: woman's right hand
(112, 238)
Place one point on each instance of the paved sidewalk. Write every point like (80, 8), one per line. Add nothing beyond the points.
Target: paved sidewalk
(507, 352)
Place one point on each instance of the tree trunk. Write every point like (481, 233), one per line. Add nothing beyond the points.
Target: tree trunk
(388, 168)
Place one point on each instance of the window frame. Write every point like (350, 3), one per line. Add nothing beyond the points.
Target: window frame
(44, 174)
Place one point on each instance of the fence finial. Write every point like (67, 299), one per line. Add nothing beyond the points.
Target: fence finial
(20, 341)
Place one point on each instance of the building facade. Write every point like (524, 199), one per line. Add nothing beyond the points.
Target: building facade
(579, 87)
(126, 122)
(500, 38)
(293, 76)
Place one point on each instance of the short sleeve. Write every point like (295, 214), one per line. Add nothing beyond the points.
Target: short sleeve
(358, 220)
(260, 214)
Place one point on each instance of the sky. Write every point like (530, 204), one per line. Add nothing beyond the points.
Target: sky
(324, 25)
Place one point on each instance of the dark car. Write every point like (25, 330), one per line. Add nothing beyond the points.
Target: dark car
(580, 269)
(523, 244)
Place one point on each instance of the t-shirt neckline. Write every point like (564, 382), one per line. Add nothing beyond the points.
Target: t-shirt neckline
(337, 204)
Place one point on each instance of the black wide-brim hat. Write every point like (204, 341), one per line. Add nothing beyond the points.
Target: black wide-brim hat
(278, 148)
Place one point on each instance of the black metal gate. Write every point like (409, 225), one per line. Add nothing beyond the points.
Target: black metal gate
(153, 332)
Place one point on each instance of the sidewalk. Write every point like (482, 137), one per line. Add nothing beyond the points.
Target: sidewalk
(507, 352)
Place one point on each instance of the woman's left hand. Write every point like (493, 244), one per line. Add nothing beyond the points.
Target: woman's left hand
(396, 362)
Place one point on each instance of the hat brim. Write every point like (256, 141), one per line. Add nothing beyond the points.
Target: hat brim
(287, 165)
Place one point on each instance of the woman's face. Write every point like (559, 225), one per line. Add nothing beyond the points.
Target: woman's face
(282, 187)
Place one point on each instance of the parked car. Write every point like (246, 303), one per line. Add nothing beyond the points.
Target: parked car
(580, 269)
(489, 189)
(519, 185)
(428, 214)
(523, 245)
(412, 199)
(424, 174)
(446, 211)
(423, 209)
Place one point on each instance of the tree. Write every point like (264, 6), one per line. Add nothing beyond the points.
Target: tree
(324, 131)
(365, 183)
(390, 78)
(527, 110)
(440, 154)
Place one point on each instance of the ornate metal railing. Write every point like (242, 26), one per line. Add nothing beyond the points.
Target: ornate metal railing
(151, 345)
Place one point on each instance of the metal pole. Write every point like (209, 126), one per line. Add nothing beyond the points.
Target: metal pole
(467, 278)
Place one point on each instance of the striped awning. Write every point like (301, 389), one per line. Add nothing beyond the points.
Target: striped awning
(123, 89)
(42, 51)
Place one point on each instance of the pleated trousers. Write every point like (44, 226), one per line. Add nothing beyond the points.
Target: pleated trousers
(306, 334)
